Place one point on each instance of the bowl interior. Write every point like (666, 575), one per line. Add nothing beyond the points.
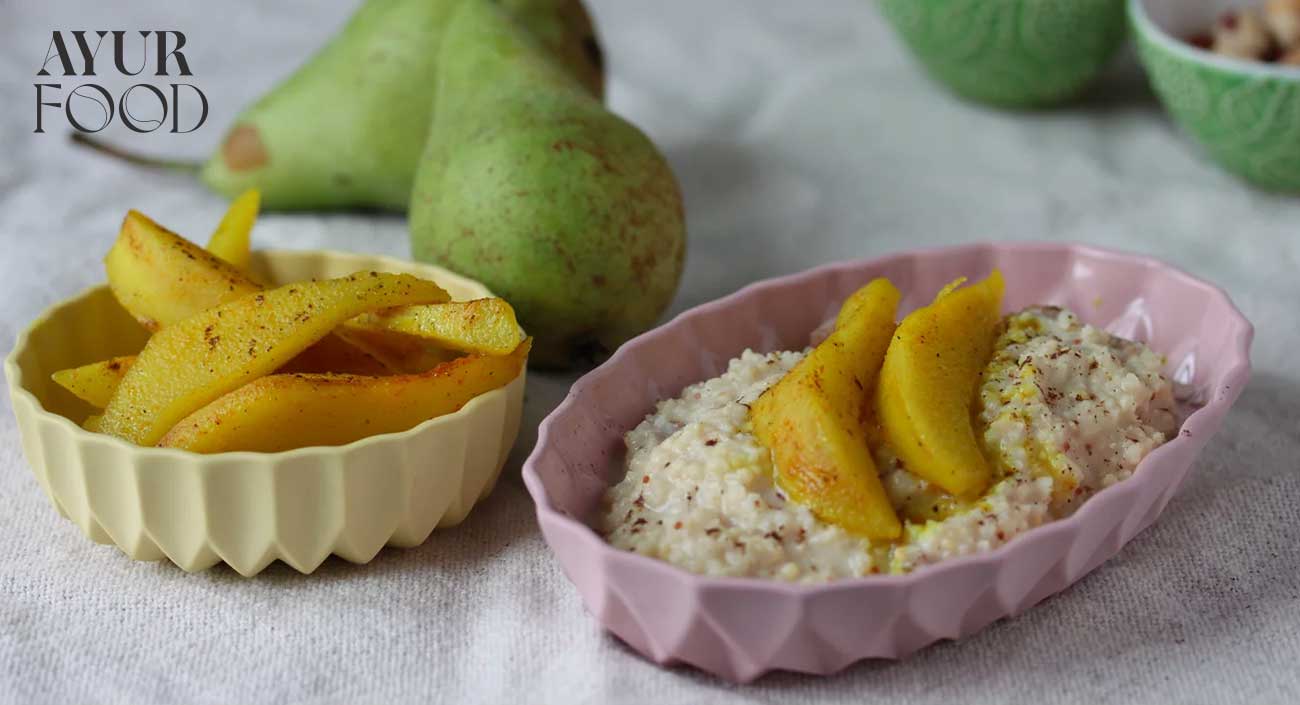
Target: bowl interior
(1190, 322)
(1170, 23)
(1182, 19)
(87, 329)
(93, 326)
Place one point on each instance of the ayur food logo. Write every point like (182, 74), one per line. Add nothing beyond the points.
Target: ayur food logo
(90, 106)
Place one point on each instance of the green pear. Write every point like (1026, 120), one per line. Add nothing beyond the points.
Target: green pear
(564, 28)
(346, 130)
(529, 184)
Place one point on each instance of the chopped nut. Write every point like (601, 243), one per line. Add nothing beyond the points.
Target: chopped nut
(1283, 20)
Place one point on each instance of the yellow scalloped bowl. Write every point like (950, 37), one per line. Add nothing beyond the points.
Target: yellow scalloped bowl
(249, 509)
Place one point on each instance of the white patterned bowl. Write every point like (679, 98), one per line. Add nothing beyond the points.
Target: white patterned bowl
(249, 509)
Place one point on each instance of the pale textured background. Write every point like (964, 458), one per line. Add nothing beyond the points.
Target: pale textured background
(801, 134)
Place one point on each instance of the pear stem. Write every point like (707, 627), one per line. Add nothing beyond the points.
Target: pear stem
(120, 154)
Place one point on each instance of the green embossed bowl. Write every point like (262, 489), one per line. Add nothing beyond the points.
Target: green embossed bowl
(1011, 53)
(1246, 115)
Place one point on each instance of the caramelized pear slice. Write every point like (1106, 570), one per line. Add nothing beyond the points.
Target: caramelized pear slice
(812, 419)
(417, 338)
(161, 278)
(232, 240)
(481, 326)
(928, 384)
(188, 364)
(96, 382)
(283, 412)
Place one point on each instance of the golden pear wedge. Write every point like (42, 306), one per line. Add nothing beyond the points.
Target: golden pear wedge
(485, 326)
(282, 412)
(813, 419)
(96, 382)
(188, 364)
(416, 338)
(161, 278)
(232, 240)
(929, 381)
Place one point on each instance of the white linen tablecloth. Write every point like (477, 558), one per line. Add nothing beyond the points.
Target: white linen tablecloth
(801, 134)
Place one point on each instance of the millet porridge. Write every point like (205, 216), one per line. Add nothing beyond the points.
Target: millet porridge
(1063, 410)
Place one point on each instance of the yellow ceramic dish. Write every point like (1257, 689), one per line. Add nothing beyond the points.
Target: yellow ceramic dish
(249, 509)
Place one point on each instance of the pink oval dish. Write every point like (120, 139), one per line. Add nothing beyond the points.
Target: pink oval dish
(740, 628)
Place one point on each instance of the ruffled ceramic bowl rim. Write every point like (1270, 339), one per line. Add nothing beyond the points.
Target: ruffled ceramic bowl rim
(1147, 27)
(1195, 424)
(17, 386)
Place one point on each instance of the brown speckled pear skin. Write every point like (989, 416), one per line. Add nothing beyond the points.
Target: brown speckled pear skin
(564, 29)
(346, 129)
(527, 183)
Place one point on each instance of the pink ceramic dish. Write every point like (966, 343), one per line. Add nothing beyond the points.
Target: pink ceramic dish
(741, 628)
